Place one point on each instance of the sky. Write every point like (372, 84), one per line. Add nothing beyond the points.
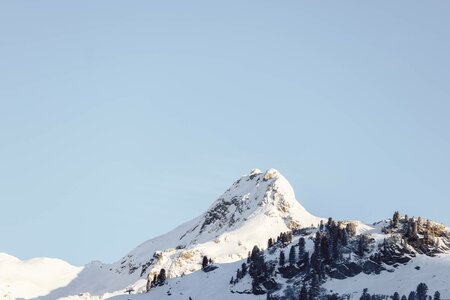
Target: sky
(120, 120)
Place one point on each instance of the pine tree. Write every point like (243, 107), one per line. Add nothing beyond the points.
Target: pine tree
(325, 248)
(238, 274)
(437, 296)
(365, 295)
(244, 269)
(404, 298)
(422, 290)
(396, 295)
(303, 293)
(282, 258)
(317, 243)
(334, 297)
(205, 262)
(306, 263)
(292, 256)
(395, 219)
(255, 253)
(270, 243)
(344, 238)
(362, 245)
(162, 277)
(301, 247)
(412, 296)
(315, 287)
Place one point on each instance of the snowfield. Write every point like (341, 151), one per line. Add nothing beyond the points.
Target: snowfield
(434, 271)
(35, 277)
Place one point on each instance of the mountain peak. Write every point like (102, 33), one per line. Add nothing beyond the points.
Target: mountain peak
(256, 194)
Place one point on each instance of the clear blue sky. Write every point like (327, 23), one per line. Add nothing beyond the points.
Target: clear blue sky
(119, 120)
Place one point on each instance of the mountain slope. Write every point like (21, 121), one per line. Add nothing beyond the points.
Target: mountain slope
(392, 259)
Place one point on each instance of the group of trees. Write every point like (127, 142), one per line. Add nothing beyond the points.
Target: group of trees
(329, 242)
(206, 262)
(412, 227)
(296, 257)
(421, 293)
(284, 239)
(258, 269)
(158, 280)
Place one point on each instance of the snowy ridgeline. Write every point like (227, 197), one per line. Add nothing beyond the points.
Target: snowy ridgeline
(257, 242)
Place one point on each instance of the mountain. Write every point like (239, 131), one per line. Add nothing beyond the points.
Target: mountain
(233, 251)
(256, 207)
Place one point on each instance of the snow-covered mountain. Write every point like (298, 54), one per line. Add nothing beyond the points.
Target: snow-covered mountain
(258, 207)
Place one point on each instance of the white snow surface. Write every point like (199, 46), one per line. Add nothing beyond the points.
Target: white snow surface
(434, 271)
(31, 278)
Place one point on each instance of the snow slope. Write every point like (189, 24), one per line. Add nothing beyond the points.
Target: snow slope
(434, 271)
(31, 278)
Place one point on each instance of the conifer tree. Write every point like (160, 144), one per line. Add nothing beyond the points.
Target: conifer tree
(362, 245)
(422, 290)
(292, 256)
(255, 253)
(306, 263)
(396, 295)
(205, 262)
(344, 237)
(244, 269)
(315, 287)
(301, 247)
(437, 296)
(412, 296)
(325, 248)
(303, 293)
(161, 277)
(282, 258)
(395, 219)
(365, 295)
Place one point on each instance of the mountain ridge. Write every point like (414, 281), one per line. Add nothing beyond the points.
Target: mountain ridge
(257, 207)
